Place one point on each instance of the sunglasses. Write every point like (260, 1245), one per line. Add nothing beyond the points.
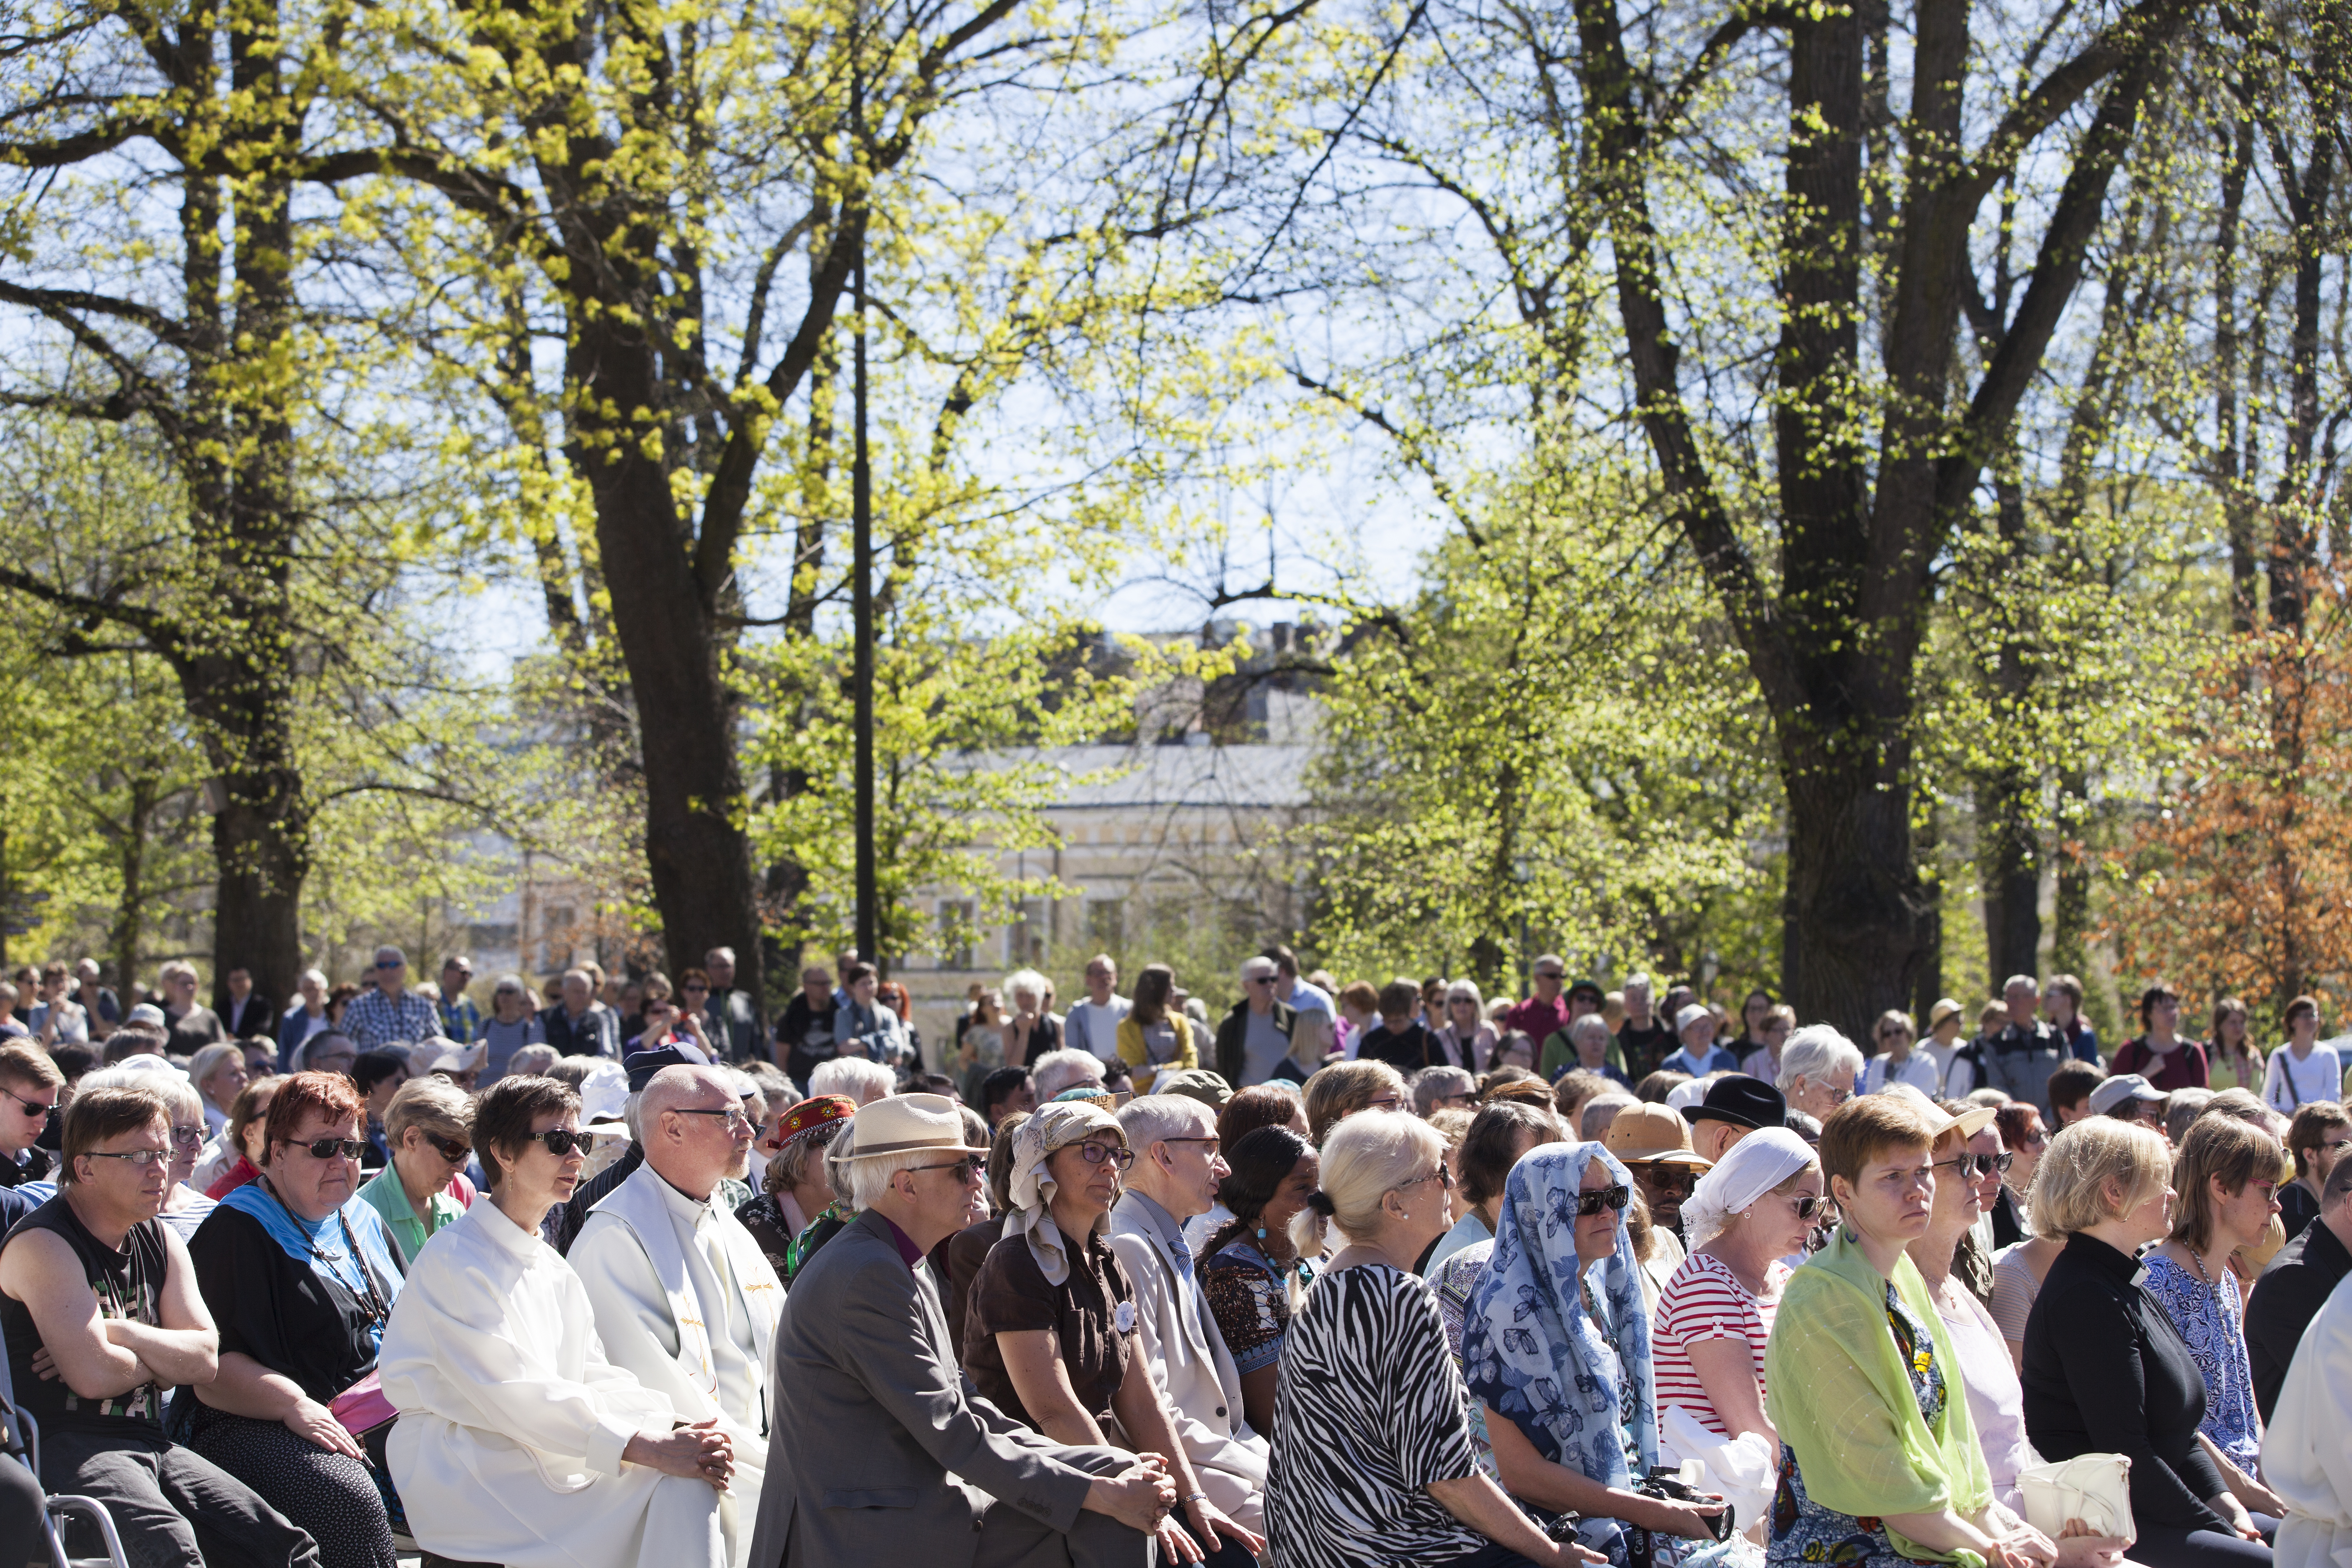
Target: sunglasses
(972, 1170)
(1439, 1174)
(1672, 1180)
(1096, 1153)
(453, 1149)
(1808, 1207)
(561, 1142)
(194, 1137)
(329, 1148)
(1613, 1197)
(1384, 1103)
(1971, 1166)
(30, 1108)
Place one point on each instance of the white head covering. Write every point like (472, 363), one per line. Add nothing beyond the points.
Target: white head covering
(1749, 1169)
(1054, 1125)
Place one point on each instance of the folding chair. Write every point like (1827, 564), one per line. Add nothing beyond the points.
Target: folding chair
(20, 1440)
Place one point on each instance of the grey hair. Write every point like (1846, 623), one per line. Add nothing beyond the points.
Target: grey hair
(1599, 1112)
(1259, 966)
(1027, 980)
(1057, 1070)
(318, 975)
(1576, 1028)
(1431, 1082)
(1639, 978)
(1458, 990)
(868, 1179)
(1814, 1052)
(172, 1088)
(860, 1079)
(512, 983)
(1150, 1118)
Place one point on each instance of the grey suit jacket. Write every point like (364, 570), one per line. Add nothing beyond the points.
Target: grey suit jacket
(881, 1450)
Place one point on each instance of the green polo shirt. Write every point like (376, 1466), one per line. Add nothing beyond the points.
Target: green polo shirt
(385, 1195)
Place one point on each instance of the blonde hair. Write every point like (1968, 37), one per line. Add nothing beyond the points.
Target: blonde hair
(2223, 1149)
(1343, 1088)
(1367, 1157)
(2070, 1185)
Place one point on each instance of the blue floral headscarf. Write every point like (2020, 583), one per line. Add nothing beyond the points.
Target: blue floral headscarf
(1528, 1348)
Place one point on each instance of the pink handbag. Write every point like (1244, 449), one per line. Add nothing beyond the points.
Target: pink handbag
(362, 1407)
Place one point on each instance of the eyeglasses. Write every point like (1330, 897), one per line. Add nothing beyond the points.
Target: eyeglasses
(1258, 980)
(972, 1170)
(1837, 1096)
(1609, 1197)
(192, 1136)
(1096, 1153)
(732, 1113)
(1439, 1174)
(1384, 1103)
(31, 1109)
(329, 1148)
(2336, 1145)
(1807, 1208)
(1971, 1166)
(561, 1142)
(137, 1159)
(453, 1149)
(1674, 1180)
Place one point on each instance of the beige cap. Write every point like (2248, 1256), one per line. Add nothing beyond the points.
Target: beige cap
(1975, 1120)
(1652, 1133)
(902, 1123)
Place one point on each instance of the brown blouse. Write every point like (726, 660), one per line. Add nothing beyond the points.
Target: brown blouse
(1011, 1296)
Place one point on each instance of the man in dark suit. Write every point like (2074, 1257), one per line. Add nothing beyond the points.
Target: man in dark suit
(880, 1451)
(2296, 1286)
(244, 1012)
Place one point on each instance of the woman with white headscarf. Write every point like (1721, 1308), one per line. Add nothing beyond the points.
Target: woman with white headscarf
(1050, 1324)
(1556, 1352)
(1757, 1205)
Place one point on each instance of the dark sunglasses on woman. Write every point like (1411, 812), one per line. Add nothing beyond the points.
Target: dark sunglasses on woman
(1972, 1166)
(1613, 1197)
(561, 1142)
(329, 1148)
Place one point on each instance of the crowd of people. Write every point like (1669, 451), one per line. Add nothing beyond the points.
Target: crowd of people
(612, 1274)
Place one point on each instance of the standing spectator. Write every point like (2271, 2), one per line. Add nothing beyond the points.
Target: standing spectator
(192, 1026)
(1360, 1015)
(804, 1032)
(1154, 1034)
(429, 1127)
(1698, 1055)
(2159, 1055)
(1896, 1062)
(2227, 1174)
(1589, 1046)
(2062, 1000)
(1253, 1042)
(1643, 1040)
(576, 1024)
(735, 1010)
(244, 1012)
(103, 1006)
(2302, 1070)
(1541, 1015)
(1755, 1012)
(510, 1026)
(2027, 1050)
(2289, 1292)
(460, 1020)
(1765, 1062)
(339, 1000)
(1299, 995)
(1501, 1132)
(103, 1291)
(57, 1019)
(31, 1089)
(1093, 1025)
(306, 1017)
(2316, 1140)
(862, 1027)
(1959, 1066)
(1398, 1040)
(1467, 1038)
(391, 1012)
(2233, 1047)
(2105, 1371)
(1374, 1461)
(1030, 1030)
(1174, 1179)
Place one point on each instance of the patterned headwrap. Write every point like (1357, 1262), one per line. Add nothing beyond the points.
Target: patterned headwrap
(812, 1115)
(1531, 1351)
(1056, 1124)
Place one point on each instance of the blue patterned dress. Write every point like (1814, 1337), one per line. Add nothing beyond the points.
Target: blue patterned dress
(1804, 1531)
(2211, 1322)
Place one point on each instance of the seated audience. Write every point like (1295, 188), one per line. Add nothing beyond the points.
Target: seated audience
(2316, 1137)
(682, 1297)
(1442, 1088)
(185, 1208)
(1653, 1144)
(379, 1075)
(1714, 1316)
(797, 1188)
(2307, 1453)
(1174, 1178)
(854, 1079)
(1372, 1460)
(2291, 1291)
(241, 1141)
(219, 1075)
(31, 1089)
(1880, 1461)
(877, 1411)
(2225, 1180)
(1049, 1334)
(1501, 1132)
(2105, 1371)
(100, 1313)
(300, 1276)
(519, 1443)
(1256, 1265)
(1818, 1067)
(1343, 1088)
(2023, 1138)
(1007, 1091)
(429, 1127)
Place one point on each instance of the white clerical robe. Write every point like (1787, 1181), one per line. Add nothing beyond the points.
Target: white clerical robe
(512, 1421)
(686, 1301)
(2308, 1452)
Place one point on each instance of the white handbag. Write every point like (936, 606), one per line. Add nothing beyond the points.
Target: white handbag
(2092, 1487)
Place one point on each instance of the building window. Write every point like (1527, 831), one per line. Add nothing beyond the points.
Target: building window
(955, 918)
(1026, 938)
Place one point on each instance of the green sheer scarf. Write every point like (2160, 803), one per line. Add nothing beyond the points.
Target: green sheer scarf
(1840, 1398)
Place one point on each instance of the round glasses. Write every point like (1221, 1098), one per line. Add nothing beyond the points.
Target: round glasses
(1096, 1153)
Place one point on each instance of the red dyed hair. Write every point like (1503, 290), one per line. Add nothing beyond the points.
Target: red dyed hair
(303, 1095)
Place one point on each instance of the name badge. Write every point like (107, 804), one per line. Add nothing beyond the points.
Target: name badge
(1123, 1320)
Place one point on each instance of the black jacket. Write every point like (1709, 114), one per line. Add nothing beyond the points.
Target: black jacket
(2286, 1298)
(1408, 1052)
(1233, 1036)
(2106, 1372)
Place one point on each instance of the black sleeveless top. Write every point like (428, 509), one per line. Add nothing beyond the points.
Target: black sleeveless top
(128, 1283)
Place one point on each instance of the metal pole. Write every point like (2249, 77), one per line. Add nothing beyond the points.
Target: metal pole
(861, 492)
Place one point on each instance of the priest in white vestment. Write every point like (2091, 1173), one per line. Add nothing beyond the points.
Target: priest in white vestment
(519, 1442)
(683, 1296)
(2307, 1451)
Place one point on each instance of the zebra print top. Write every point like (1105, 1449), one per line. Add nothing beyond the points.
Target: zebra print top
(1368, 1410)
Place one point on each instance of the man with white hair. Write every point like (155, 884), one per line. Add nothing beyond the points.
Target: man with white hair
(2020, 1059)
(1174, 1178)
(1254, 1041)
(683, 1297)
(392, 1011)
(1643, 1040)
(576, 1024)
(1818, 1067)
(1057, 1072)
(881, 1451)
(306, 1017)
(861, 1080)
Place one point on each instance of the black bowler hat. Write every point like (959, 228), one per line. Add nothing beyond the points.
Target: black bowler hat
(643, 1065)
(1742, 1100)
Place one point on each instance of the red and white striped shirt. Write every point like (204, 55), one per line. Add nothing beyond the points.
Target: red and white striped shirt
(1704, 1301)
